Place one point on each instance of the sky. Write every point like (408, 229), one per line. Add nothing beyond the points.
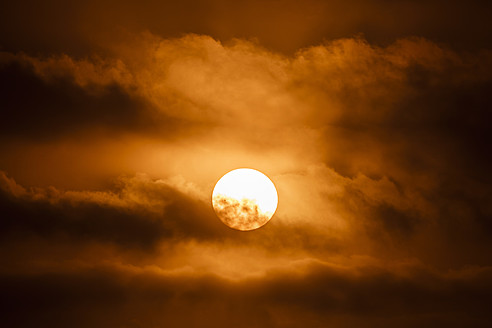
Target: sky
(370, 117)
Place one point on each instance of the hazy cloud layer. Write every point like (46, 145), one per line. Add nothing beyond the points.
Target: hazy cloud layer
(379, 155)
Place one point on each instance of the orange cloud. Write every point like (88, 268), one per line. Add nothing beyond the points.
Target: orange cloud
(378, 154)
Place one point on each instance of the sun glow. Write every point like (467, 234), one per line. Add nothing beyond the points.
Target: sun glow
(245, 199)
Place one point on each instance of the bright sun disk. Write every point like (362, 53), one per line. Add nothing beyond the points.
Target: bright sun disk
(244, 199)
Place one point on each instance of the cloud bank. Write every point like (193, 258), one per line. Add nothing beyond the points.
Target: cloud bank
(379, 155)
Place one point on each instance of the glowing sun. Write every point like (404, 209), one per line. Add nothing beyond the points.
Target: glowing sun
(244, 199)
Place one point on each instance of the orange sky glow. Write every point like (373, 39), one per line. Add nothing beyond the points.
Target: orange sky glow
(371, 118)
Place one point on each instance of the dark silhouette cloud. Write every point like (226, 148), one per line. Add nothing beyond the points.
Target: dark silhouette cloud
(321, 295)
(44, 108)
(105, 217)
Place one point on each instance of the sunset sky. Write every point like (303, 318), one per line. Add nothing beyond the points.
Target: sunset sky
(372, 119)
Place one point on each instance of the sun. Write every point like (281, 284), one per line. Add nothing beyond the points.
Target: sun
(244, 199)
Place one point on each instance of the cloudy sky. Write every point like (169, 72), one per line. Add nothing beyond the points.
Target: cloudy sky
(372, 118)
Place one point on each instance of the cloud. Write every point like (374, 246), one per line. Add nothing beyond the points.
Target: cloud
(380, 140)
(346, 89)
(242, 215)
(379, 155)
(139, 214)
(316, 293)
(46, 99)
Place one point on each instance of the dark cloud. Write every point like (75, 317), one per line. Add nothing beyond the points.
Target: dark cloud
(105, 216)
(394, 221)
(42, 108)
(320, 295)
(448, 121)
(136, 214)
(432, 121)
(240, 215)
(426, 132)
